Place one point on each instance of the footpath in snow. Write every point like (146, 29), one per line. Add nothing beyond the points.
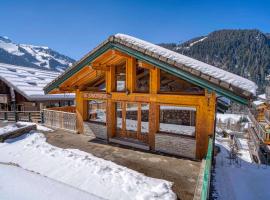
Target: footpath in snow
(81, 170)
(244, 180)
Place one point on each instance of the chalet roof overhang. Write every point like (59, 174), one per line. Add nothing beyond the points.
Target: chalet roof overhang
(191, 75)
(40, 98)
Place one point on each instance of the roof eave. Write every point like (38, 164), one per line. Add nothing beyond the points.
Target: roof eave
(112, 44)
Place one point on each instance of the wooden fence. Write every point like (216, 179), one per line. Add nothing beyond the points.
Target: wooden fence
(71, 109)
(60, 119)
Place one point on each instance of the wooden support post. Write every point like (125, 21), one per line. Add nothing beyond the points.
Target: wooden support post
(204, 124)
(124, 129)
(81, 110)
(131, 74)
(153, 107)
(154, 80)
(111, 118)
(110, 80)
(153, 120)
(139, 120)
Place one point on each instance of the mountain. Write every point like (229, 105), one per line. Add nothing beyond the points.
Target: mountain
(243, 52)
(32, 56)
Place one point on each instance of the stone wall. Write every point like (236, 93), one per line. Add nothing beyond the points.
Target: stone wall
(98, 130)
(175, 145)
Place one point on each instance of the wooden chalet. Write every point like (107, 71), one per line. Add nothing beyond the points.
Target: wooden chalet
(135, 93)
(21, 89)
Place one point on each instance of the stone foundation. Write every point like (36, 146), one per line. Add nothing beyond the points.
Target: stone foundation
(96, 129)
(175, 145)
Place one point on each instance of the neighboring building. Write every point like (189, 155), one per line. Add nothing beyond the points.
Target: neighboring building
(259, 129)
(135, 93)
(22, 87)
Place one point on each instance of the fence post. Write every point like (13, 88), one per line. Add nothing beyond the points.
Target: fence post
(29, 117)
(42, 116)
(16, 116)
(5, 116)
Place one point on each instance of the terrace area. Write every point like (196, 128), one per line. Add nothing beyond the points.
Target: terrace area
(182, 172)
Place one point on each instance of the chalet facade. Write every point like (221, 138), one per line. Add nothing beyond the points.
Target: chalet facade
(135, 93)
(21, 89)
(259, 128)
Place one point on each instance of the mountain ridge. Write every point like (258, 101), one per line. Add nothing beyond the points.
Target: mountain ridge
(245, 52)
(40, 57)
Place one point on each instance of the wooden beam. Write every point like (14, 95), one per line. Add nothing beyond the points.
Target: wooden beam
(144, 65)
(101, 67)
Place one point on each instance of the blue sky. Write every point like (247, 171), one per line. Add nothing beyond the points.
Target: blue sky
(75, 27)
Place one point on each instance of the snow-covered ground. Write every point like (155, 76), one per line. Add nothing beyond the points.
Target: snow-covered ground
(12, 127)
(80, 170)
(225, 117)
(17, 183)
(245, 180)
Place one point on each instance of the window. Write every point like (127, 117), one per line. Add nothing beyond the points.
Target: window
(119, 118)
(142, 79)
(132, 120)
(97, 111)
(132, 117)
(120, 73)
(171, 83)
(177, 119)
(144, 118)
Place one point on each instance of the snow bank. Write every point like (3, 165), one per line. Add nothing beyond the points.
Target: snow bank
(8, 128)
(83, 171)
(210, 70)
(39, 127)
(17, 183)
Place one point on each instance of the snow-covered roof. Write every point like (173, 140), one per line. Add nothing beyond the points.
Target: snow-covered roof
(258, 102)
(213, 75)
(192, 63)
(29, 82)
(262, 96)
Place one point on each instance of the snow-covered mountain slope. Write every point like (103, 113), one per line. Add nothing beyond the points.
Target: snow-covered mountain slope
(32, 56)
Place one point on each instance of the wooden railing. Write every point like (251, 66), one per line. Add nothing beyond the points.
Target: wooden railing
(60, 119)
(203, 186)
(71, 109)
(29, 116)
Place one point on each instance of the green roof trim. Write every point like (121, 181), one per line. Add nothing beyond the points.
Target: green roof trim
(163, 66)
